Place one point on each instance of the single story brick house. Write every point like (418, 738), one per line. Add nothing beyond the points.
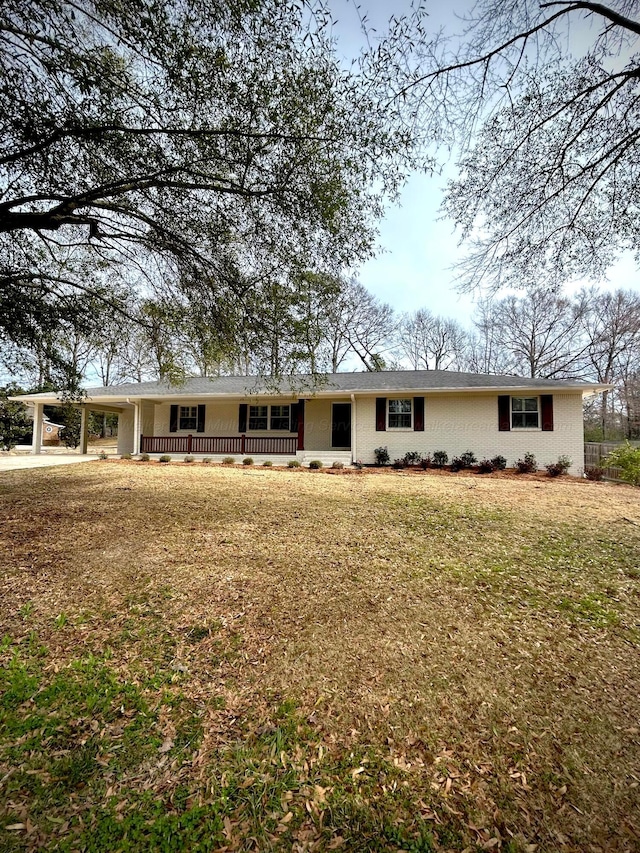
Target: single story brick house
(343, 416)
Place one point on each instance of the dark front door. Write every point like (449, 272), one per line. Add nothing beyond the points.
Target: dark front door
(341, 426)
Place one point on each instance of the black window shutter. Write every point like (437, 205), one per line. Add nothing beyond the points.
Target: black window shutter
(242, 418)
(504, 413)
(381, 414)
(418, 414)
(201, 411)
(173, 419)
(294, 418)
(546, 412)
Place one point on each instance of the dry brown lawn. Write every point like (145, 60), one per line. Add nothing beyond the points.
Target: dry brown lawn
(369, 661)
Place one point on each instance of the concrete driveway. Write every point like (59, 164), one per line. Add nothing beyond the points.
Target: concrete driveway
(16, 461)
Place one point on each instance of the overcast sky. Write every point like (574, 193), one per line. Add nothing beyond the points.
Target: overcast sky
(417, 247)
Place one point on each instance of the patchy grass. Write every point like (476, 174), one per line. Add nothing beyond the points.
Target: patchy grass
(223, 659)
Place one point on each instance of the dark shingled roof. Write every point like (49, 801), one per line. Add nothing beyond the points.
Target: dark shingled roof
(382, 382)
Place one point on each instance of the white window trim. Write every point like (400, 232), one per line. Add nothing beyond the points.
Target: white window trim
(268, 426)
(539, 412)
(400, 429)
(187, 429)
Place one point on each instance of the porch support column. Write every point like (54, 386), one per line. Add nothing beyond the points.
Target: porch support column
(300, 424)
(84, 429)
(36, 441)
(136, 427)
(354, 429)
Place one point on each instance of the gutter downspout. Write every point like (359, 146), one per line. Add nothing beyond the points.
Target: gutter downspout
(354, 430)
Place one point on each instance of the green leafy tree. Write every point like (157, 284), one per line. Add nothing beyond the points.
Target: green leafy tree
(15, 426)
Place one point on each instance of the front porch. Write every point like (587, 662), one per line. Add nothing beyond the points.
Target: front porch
(278, 429)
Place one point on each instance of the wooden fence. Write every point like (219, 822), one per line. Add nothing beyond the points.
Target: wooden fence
(595, 452)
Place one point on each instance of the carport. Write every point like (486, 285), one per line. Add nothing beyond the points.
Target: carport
(125, 411)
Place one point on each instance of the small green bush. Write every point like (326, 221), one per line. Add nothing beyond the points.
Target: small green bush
(381, 455)
(398, 464)
(413, 457)
(206, 460)
(165, 458)
(440, 458)
(144, 457)
(457, 463)
(247, 460)
(486, 466)
(228, 460)
(338, 466)
(468, 459)
(102, 456)
(189, 459)
(527, 465)
(316, 464)
(267, 463)
(556, 469)
(627, 459)
(499, 463)
(293, 463)
(426, 462)
(124, 456)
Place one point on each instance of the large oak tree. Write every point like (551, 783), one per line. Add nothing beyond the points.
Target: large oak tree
(200, 146)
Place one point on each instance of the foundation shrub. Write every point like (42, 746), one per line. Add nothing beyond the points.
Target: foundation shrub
(594, 473)
(413, 457)
(557, 469)
(499, 463)
(440, 458)
(457, 464)
(468, 459)
(527, 465)
(382, 456)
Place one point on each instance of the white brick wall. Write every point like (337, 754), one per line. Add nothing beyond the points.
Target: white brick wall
(453, 422)
(459, 422)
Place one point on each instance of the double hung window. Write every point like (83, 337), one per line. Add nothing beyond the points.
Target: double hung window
(400, 414)
(188, 417)
(525, 413)
(270, 418)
